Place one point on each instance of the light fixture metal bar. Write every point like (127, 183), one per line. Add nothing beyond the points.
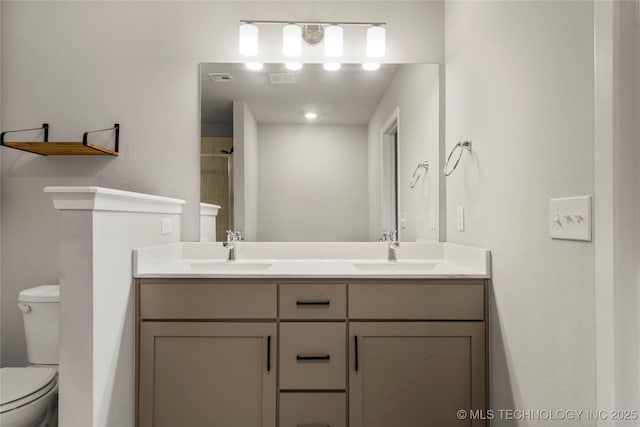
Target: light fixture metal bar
(251, 21)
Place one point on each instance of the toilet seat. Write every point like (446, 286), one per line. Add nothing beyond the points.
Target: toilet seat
(21, 386)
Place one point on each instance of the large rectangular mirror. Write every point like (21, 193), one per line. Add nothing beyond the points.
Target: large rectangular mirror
(317, 155)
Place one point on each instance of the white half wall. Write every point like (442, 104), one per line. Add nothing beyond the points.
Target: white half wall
(312, 183)
(415, 93)
(519, 83)
(99, 229)
(136, 63)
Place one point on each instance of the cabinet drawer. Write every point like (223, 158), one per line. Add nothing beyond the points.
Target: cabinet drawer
(208, 301)
(446, 301)
(313, 410)
(312, 356)
(313, 301)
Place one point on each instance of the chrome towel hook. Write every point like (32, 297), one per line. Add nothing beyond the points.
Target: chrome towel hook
(460, 147)
(421, 169)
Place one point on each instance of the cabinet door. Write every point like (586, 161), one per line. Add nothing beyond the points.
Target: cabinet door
(201, 374)
(416, 374)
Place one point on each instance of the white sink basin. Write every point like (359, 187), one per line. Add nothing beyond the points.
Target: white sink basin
(229, 266)
(396, 266)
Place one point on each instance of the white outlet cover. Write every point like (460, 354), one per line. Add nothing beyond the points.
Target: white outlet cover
(460, 218)
(432, 218)
(166, 226)
(570, 218)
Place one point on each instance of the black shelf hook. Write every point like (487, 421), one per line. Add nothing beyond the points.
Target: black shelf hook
(116, 128)
(45, 126)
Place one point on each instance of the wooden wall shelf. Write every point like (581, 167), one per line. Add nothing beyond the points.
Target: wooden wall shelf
(46, 148)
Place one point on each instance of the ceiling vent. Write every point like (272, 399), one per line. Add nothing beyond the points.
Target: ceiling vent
(220, 77)
(282, 78)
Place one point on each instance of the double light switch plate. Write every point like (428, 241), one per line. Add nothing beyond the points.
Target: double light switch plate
(570, 218)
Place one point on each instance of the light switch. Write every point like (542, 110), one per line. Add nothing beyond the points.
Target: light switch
(403, 220)
(460, 218)
(570, 218)
(166, 226)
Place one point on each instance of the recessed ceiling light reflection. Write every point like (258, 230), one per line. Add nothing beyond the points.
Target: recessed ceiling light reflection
(293, 66)
(310, 115)
(254, 66)
(332, 66)
(370, 66)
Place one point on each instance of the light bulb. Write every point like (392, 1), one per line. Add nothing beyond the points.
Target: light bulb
(370, 66)
(248, 41)
(254, 66)
(293, 66)
(291, 40)
(311, 115)
(333, 41)
(376, 41)
(332, 66)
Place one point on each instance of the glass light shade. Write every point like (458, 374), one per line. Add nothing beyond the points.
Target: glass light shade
(333, 41)
(376, 42)
(291, 40)
(254, 66)
(370, 66)
(293, 66)
(332, 66)
(248, 41)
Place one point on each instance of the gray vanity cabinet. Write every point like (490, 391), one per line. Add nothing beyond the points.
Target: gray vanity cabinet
(417, 353)
(207, 354)
(265, 352)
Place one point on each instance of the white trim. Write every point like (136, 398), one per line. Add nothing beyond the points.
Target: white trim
(209, 209)
(108, 199)
(603, 206)
(390, 126)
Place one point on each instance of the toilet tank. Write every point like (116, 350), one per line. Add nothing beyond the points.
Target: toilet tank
(41, 314)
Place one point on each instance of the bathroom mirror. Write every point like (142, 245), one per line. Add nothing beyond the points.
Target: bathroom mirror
(316, 155)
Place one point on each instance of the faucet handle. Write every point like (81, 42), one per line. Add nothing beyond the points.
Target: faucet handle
(238, 235)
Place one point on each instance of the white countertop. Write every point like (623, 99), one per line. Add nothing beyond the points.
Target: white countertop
(312, 260)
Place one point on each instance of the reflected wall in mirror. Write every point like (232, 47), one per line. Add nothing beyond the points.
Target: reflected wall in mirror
(314, 155)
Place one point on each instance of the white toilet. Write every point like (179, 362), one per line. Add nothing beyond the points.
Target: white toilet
(28, 395)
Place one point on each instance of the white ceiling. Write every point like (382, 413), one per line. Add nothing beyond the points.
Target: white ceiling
(347, 96)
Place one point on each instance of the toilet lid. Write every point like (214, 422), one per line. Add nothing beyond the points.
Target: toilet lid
(18, 383)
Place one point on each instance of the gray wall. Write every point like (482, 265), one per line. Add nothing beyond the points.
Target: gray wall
(86, 65)
(520, 83)
(312, 183)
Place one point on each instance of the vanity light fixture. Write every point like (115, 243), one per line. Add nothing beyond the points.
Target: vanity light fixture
(333, 41)
(376, 36)
(370, 66)
(254, 66)
(248, 39)
(291, 40)
(293, 66)
(310, 115)
(313, 33)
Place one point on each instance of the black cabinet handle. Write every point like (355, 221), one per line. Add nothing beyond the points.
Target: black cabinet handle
(313, 425)
(305, 357)
(269, 353)
(355, 350)
(313, 302)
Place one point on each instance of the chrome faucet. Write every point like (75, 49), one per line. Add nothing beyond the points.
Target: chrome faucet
(391, 237)
(230, 243)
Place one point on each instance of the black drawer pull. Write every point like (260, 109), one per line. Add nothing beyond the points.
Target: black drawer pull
(355, 339)
(305, 357)
(313, 302)
(313, 425)
(269, 353)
